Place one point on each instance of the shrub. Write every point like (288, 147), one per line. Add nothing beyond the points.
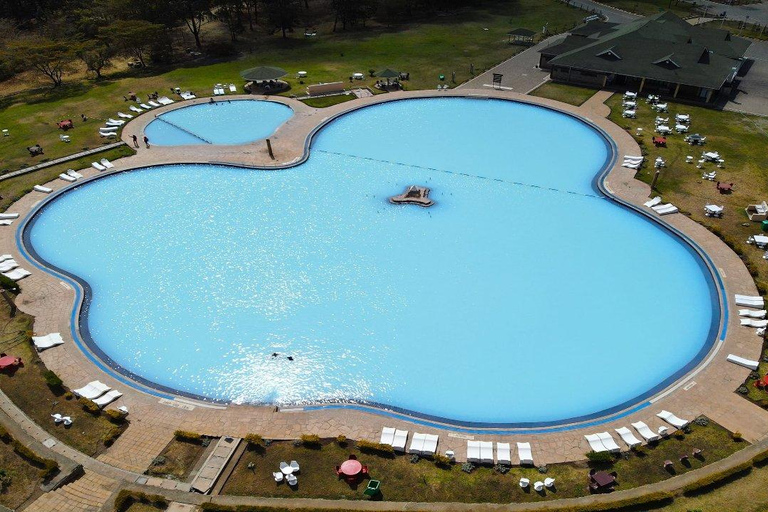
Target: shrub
(736, 436)
(310, 440)
(5, 480)
(467, 467)
(743, 390)
(48, 467)
(115, 416)
(341, 440)
(190, 437)
(501, 468)
(53, 380)
(111, 435)
(702, 421)
(68, 395)
(599, 457)
(254, 440)
(126, 498)
(6, 283)
(5, 436)
(415, 458)
(375, 448)
(90, 407)
(442, 461)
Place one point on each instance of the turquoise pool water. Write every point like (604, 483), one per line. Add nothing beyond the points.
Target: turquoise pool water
(222, 122)
(522, 297)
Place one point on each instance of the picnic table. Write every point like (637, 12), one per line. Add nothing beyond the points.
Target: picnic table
(9, 362)
(602, 481)
(724, 188)
(351, 467)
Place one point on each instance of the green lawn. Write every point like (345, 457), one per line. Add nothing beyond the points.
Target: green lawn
(403, 480)
(425, 49)
(648, 7)
(570, 94)
(328, 101)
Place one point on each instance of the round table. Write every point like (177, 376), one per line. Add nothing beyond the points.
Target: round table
(351, 467)
(287, 470)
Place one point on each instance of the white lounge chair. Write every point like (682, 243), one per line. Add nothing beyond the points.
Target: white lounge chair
(107, 133)
(107, 398)
(106, 163)
(136, 109)
(44, 190)
(5, 257)
(114, 122)
(98, 166)
(549, 482)
(124, 116)
(751, 313)
(49, 340)
(153, 104)
(92, 390)
(17, 274)
(672, 419)
(653, 202)
(387, 436)
(401, 438)
(741, 361)
(67, 177)
(754, 301)
(9, 215)
(665, 209)
(760, 241)
(628, 437)
(57, 418)
(473, 451)
(417, 443)
(145, 106)
(595, 443)
(750, 322)
(631, 165)
(525, 454)
(8, 265)
(633, 158)
(187, 95)
(503, 454)
(6, 222)
(430, 445)
(608, 441)
(486, 452)
(645, 431)
(164, 100)
(74, 174)
(232, 88)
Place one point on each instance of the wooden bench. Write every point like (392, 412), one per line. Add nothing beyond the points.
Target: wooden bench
(330, 88)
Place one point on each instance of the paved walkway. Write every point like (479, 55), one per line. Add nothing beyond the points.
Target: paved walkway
(62, 160)
(751, 95)
(706, 390)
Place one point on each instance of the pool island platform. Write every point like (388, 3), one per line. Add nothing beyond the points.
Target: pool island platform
(414, 194)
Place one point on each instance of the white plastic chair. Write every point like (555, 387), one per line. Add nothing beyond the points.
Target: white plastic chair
(278, 476)
(57, 418)
(285, 468)
(524, 482)
(538, 486)
(292, 480)
(67, 421)
(294, 466)
(549, 482)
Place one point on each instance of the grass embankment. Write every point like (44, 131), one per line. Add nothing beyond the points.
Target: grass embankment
(425, 49)
(177, 459)
(402, 480)
(24, 477)
(328, 101)
(27, 388)
(11, 190)
(566, 93)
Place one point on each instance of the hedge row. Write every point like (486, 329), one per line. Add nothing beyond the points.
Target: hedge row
(191, 437)
(214, 507)
(126, 498)
(716, 478)
(377, 448)
(48, 467)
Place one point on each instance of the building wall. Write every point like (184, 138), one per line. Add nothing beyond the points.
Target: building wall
(578, 76)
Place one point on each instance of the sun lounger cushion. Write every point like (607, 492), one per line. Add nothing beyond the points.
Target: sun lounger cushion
(67, 177)
(43, 189)
(387, 436)
(503, 454)
(672, 419)
(9, 215)
(17, 274)
(746, 363)
(107, 398)
(645, 431)
(92, 390)
(752, 313)
(628, 437)
(524, 451)
(47, 341)
(401, 437)
(7, 265)
(473, 451)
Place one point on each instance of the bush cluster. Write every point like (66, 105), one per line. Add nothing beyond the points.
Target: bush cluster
(126, 498)
(254, 440)
(48, 467)
(599, 457)
(310, 440)
(111, 435)
(115, 416)
(375, 448)
(6, 283)
(90, 407)
(53, 380)
(190, 437)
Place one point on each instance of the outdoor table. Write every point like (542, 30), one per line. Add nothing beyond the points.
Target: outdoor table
(8, 361)
(725, 187)
(287, 470)
(351, 467)
(603, 479)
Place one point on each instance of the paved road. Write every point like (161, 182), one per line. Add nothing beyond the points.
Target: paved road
(613, 15)
(752, 90)
(757, 13)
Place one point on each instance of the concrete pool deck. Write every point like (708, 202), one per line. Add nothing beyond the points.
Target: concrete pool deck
(709, 389)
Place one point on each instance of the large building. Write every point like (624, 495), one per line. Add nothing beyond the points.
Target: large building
(658, 54)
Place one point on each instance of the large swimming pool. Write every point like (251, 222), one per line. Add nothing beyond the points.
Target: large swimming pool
(522, 297)
(220, 122)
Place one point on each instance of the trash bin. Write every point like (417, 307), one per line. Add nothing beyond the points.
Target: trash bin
(764, 225)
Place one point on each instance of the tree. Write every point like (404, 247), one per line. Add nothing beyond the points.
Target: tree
(251, 12)
(136, 37)
(283, 14)
(229, 12)
(96, 55)
(195, 14)
(48, 57)
(352, 12)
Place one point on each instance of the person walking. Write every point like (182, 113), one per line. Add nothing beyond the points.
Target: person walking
(135, 141)
(146, 141)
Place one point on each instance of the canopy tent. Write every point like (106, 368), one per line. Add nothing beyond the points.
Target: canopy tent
(388, 73)
(262, 73)
(521, 36)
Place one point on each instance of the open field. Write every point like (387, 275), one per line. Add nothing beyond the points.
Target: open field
(648, 7)
(403, 480)
(425, 49)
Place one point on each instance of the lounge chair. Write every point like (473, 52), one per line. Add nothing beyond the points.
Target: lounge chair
(473, 451)
(57, 418)
(633, 158)
(753, 301)
(74, 174)
(164, 100)
(278, 476)
(134, 108)
(124, 116)
(595, 443)
(114, 122)
(98, 166)
(8, 264)
(6, 222)
(751, 313)
(653, 202)
(17, 274)
(112, 129)
(672, 419)
(750, 322)
(486, 452)
(401, 437)
(417, 443)
(503, 454)
(525, 454)
(145, 106)
(49, 340)
(430, 445)
(387, 436)
(631, 165)
(107, 398)
(5, 257)
(524, 483)
(628, 437)
(106, 163)
(65, 138)
(92, 390)
(9, 215)
(760, 241)
(746, 363)
(187, 95)
(153, 104)
(549, 482)
(232, 88)
(665, 209)
(67, 177)
(608, 441)
(44, 190)
(645, 431)
(66, 420)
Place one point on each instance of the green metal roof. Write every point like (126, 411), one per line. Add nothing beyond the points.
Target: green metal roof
(660, 47)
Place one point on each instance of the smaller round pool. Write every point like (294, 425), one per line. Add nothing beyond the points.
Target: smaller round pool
(221, 122)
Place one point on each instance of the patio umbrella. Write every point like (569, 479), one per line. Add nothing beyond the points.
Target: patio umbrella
(388, 73)
(263, 73)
